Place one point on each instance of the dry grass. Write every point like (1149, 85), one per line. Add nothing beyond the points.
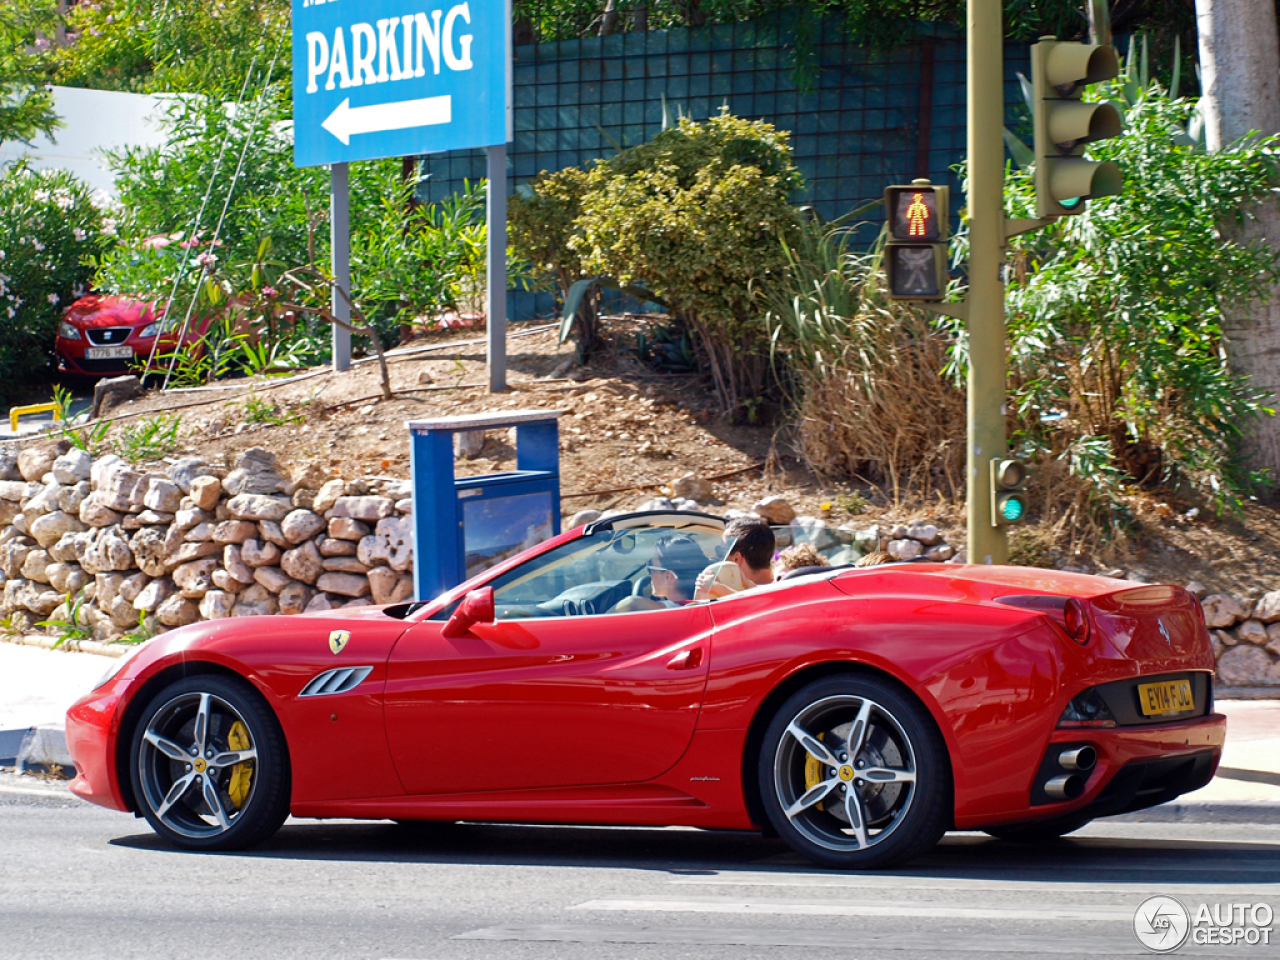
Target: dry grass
(888, 417)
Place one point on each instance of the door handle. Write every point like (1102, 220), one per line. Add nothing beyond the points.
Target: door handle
(686, 659)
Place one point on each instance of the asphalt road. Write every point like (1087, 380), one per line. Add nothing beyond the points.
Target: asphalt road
(80, 882)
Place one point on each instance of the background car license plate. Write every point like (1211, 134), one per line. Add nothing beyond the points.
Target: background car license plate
(1171, 696)
(108, 353)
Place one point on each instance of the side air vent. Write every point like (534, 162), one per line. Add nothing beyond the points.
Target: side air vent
(339, 680)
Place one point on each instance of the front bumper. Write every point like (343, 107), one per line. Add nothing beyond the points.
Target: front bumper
(93, 726)
(1137, 767)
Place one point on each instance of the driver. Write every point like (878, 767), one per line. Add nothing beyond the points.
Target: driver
(673, 572)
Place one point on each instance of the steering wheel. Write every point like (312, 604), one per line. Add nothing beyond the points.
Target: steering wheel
(643, 587)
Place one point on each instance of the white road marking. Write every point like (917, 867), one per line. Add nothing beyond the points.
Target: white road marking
(862, 908)
(962, 884)
(853, 943)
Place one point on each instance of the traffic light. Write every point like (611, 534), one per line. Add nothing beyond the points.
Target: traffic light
(1064, 124)
(1008, 492)
(915, 256)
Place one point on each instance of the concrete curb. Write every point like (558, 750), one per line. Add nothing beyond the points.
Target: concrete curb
(1246, 693)
(1242, 811)
(74, 646)
(40, 749)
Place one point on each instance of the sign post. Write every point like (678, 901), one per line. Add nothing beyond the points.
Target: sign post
(495, 302)
(396, 78)
(340, 244)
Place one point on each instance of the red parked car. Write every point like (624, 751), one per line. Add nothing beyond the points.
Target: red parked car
(107, 336)
(859, 713)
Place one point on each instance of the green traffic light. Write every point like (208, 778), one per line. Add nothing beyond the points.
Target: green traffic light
(1012, 509)
(1072, 203)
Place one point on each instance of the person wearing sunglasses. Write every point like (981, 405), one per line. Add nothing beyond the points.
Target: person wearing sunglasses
(673, 571)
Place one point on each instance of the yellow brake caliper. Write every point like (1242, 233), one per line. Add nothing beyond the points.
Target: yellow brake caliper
(813, 774)
(242, 773)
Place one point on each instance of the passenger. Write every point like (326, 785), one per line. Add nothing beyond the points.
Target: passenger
(673, 572)
(746, 565)
(797, 558)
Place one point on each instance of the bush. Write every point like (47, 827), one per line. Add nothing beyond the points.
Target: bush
(406, 260)
(695, 215)
(50, 225)
(542, 218)
(1114, 316)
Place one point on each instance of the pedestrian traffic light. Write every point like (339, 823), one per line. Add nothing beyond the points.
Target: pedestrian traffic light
(915, 256)
(1064, 124)
(1008, 492)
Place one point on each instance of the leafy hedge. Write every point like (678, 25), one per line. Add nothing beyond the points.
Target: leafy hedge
(696, 215)
(50, 226)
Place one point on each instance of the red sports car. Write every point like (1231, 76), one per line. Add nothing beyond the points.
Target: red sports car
(106, 336)
(859, 713)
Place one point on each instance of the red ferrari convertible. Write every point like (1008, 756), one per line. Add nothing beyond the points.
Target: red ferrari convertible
(857, 713)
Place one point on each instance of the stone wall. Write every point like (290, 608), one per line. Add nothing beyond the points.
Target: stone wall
(195, 542)
(1246, 637)
(199, 543)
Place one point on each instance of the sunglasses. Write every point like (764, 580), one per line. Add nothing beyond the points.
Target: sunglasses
(656, 569)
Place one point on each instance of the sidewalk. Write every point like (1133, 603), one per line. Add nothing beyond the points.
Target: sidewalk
(37, 686)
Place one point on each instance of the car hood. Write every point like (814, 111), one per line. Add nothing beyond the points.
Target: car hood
(99, 310)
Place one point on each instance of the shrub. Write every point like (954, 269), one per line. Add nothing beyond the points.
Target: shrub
(697, 214)
(542, 218)
(406, 259)
(1114, 316)
(694, 215)
(49, 226)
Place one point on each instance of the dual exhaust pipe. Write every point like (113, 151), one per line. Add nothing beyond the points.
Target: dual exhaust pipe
(1068, 786)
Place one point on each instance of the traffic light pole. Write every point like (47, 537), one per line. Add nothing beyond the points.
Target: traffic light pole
(985, 301)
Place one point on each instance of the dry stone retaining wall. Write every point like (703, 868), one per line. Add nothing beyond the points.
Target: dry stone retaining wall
(1246, 637)
(191, 543)
(197, 543)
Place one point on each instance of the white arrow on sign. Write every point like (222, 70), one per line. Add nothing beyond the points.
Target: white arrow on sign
(346, 120)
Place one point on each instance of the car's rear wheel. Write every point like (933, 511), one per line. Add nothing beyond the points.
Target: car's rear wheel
(854, 774)
(209, 766)
(1038, 832)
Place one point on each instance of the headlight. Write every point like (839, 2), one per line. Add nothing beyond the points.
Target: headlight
(164, 325)
(67, 332)
(119, 665)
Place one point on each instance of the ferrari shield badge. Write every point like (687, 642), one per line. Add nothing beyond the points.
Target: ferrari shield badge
(338, 639)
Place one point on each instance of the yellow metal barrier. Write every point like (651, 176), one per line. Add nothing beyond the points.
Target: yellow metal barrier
(16, 412)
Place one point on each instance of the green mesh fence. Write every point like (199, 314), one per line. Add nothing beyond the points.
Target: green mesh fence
(859, 119)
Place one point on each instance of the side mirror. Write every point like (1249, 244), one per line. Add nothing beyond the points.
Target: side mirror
(476, 607)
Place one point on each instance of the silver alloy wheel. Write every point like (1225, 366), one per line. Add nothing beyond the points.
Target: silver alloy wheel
(185, 765)
(866, 773)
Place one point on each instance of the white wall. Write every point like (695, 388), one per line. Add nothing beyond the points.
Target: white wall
(92, 120)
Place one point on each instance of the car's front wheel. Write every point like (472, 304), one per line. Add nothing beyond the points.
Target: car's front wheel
(209, 766)
(854, 774)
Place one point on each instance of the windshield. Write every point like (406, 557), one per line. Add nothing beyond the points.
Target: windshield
(593, 574)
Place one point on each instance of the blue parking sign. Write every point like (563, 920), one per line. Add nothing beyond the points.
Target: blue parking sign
(392, 78)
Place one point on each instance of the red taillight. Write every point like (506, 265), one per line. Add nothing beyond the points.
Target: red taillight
(1076, 621)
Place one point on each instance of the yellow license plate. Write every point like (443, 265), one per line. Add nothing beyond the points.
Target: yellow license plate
(1171, 696)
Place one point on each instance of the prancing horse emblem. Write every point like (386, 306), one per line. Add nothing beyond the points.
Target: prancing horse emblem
(338, 639)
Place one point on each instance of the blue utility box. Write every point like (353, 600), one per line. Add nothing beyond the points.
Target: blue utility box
(462, 526)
